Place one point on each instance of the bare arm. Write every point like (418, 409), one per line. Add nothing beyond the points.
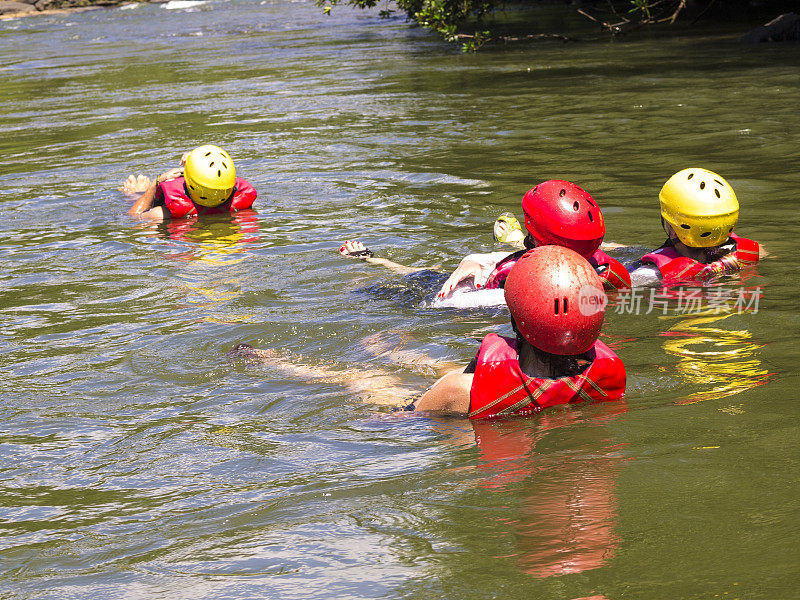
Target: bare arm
(605, 246)
(475, 267)
(450, 394)
(355, 249)
(373, 385)
(392, 266)
(389, 345)
(143, 206)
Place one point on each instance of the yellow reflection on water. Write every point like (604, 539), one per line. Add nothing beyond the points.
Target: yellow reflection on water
(721, 361)
(214, 243)
(211, 247)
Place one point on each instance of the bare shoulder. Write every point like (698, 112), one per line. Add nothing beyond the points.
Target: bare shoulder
(450, 394)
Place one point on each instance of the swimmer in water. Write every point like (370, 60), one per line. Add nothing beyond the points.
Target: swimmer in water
(699, 210)
(506, 230)
(557, 305)
(556, 213)
(205, 182)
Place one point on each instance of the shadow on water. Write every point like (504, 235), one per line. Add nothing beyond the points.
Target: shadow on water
(408, 291)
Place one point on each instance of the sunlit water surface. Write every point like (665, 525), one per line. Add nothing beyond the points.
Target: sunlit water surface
(139, 462)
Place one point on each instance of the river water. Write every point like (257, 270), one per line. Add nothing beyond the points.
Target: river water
(138, 461)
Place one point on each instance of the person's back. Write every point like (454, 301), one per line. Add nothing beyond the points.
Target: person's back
(513, 377)
(557, 306)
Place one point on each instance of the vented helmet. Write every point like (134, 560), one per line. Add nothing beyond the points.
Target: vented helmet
(210, 175)
(561, 213)
(556, 299)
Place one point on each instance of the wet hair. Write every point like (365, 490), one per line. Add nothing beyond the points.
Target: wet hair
(557, 365)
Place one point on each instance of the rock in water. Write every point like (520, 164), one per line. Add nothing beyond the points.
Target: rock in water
(781, 29)
(15, 7)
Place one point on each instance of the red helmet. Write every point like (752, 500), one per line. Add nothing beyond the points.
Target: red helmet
(560, 213)
(556, 299)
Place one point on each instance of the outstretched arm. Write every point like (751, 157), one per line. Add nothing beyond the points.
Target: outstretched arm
(450, 394)
(390, 345)
(604, 246)
(373, 385)
(355, 249)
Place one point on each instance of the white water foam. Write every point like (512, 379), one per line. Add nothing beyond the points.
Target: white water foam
(183, 4)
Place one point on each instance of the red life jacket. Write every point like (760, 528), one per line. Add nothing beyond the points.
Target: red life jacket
(674, 267)
(499, 387)
(179, 204)
(613, 275)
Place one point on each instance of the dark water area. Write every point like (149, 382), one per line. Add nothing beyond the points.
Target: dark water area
(138, 461)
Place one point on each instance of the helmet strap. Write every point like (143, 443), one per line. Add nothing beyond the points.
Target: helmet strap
(671, 235)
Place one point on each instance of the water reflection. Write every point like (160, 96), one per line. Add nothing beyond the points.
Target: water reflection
(215, 241)
(567, 508)
(212, 246)
(721, 361)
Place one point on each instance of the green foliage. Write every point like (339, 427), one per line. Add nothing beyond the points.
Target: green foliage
(476, 41)
(452, 19)
(641, 6)
(445, 17)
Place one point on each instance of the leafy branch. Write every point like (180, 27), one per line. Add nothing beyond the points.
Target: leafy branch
(452, 19)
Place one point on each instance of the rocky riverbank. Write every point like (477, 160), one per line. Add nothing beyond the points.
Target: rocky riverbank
(10, 9)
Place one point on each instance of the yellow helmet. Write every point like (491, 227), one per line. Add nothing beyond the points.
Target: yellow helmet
(701, 207)
(210, 175)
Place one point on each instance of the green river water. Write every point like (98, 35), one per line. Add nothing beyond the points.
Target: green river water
(139, 462)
